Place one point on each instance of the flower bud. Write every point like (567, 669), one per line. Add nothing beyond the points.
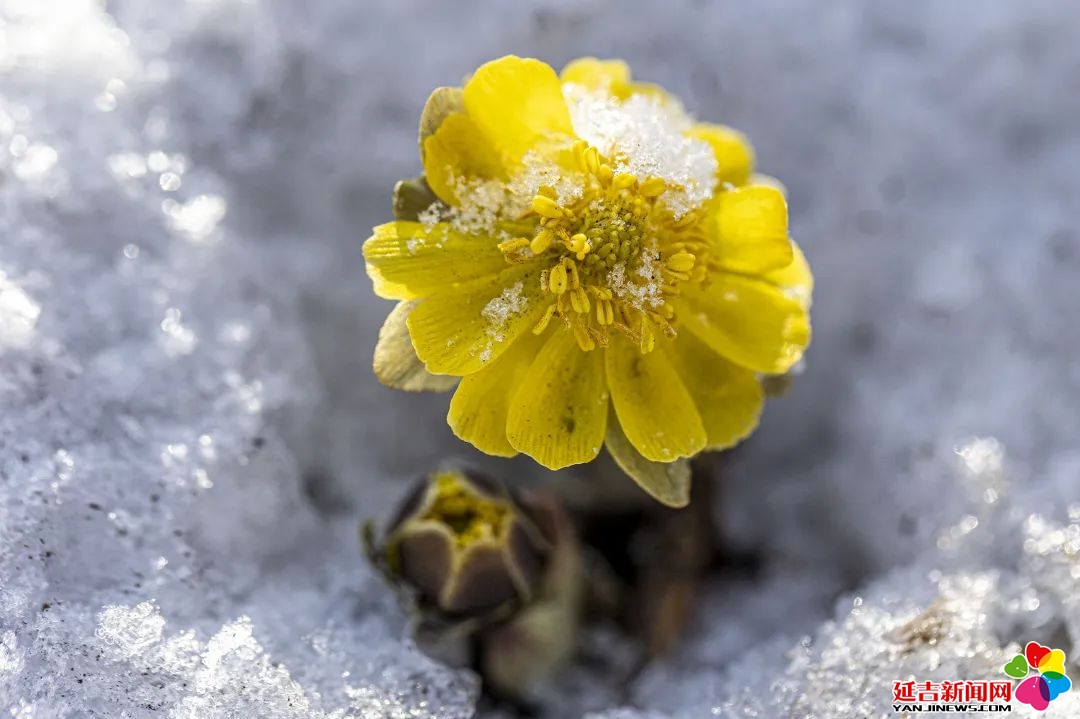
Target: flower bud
(465, 546)
(520, 654)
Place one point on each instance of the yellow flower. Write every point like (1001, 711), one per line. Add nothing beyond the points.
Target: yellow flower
(596, 267)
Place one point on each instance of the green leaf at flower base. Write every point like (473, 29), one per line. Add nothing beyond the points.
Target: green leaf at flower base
(667, 482)
(411, 197)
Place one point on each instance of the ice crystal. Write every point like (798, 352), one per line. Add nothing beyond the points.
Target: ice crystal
(539, 171)
(431, 215)
(643, 288)
(645, 137)
(498, 312)
(481, 204)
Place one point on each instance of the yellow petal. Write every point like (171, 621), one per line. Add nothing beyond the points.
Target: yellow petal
(396, 364)
(461, 329)
(747, 320)
(795, 279)
(653, 405)
(749, 229)
(613, 77)
(481, 404)
(667, 482)
(457, 151)
(760, 178)
(516, 103)
(559, 414)
(406, 260)
(728, 397)
(734, 154)
(610, 75)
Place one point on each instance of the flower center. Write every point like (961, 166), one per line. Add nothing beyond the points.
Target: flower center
(469, 516)
(617, 255)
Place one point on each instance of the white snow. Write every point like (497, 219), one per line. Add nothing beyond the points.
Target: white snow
(498, 312)
(645, 137)
(538, 171)
(643, 289)
(190, 429)
(158, 554)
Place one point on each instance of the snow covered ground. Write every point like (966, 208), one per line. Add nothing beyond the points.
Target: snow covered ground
(190, 430)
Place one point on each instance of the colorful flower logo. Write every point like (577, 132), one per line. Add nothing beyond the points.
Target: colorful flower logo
(1047, 682)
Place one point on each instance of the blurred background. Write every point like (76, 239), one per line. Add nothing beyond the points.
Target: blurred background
(192, 430)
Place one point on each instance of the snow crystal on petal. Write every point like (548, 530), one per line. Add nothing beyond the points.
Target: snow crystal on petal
(431, 216)
(645, 136)
(498, 312)
(539, 171)
(481, 204)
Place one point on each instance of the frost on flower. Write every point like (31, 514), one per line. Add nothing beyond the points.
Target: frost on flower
(598, 268)
(646, 136)
(497, 312)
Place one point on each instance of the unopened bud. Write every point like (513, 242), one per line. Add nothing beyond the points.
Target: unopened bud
(465, 545)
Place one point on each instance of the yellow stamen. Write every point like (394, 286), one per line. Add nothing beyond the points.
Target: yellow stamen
(592, 160)
(584, 340)
(675, 275)
(681, 261)
(605, 174)
(653, 187)
(579, 244)
(602, 293)
(546, 207)
(557, 279)
(605, 315)
(686, 220)
(515, 245)
(579, 300)
(571, 270)
(545, 319)
(614, 256)
(579, 153)
(542, 241)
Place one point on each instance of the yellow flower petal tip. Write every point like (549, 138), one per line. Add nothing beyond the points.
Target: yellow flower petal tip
(598, 268)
